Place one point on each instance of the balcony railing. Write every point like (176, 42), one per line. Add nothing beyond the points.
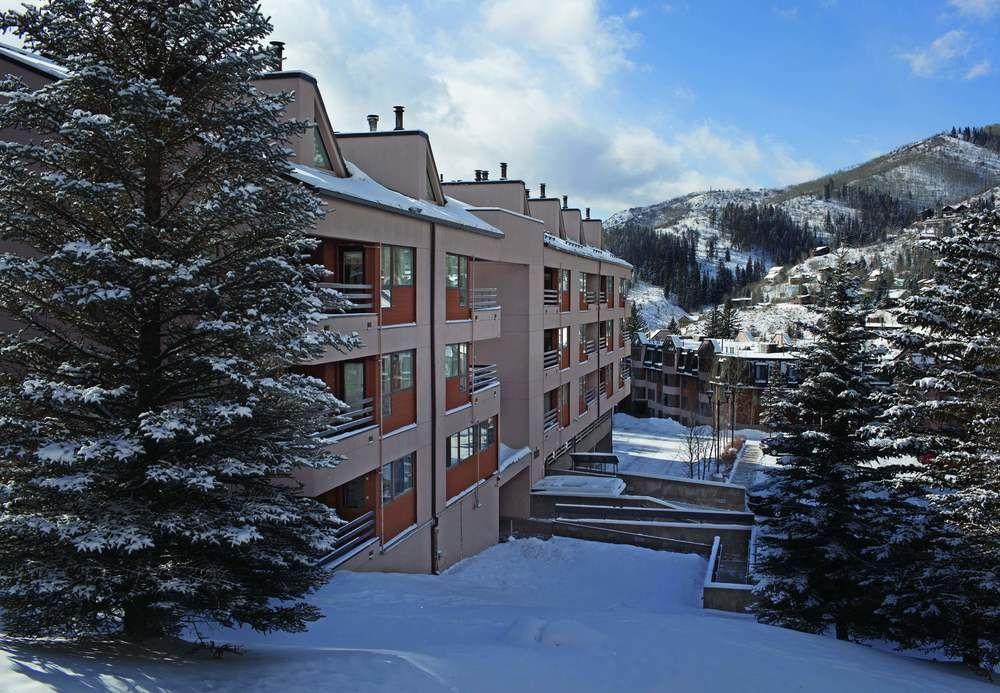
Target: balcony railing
(550, 359)
(551, 297)
(591, 297)
(602, 389)
(591, 396)
(589, 346)
(483, 376)
(602, 297)
(360, 296)
(551, 419)
(349, 537)
(602, 342)
(358, 415)
(485, 299)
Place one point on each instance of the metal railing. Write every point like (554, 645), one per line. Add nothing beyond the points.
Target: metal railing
(602, 297)
(551, 297)
(589, 346)
(602, 342)
(358, 415)
(359, 295)
(602, 389)
(485, 299)
(483, 376)
(590, 296)
(350, 536)
(590, 396)
(551, 419)
(550, 359)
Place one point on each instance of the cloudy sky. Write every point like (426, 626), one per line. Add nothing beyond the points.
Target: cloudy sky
(621, 103)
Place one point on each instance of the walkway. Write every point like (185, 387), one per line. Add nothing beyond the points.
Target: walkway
(750, 462)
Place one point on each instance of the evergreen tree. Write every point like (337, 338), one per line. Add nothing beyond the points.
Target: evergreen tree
(944, 409)
(819, 502)
(149, 420)
(635, 323)
(729, 322)
(713, 322)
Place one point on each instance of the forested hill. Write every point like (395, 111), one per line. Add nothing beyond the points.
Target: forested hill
(704, 246)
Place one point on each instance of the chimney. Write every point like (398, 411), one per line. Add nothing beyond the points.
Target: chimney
(479, 175)
(373, 123)
(441, 177)
(527, 192)
(588, 212)
(278, 51)
(565, 202)
(486, 174)
(399, 117)
(503, 170)
(542, 186)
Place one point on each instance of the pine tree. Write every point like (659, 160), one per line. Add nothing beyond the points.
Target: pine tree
(729, 322)
(818, 503)
(944, 411)
(149, 419)
(635, 323)
(713, 322)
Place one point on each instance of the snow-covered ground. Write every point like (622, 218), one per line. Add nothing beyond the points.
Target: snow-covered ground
(656, 446)
(528, 615)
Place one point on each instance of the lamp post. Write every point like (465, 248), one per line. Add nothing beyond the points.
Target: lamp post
(732, 409)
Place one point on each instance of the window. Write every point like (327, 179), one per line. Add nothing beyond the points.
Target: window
(353, 495)
(564, 280)
(583, 281)
(352, 266)
(563, 338)
(456, 360)
(457, 276)
(397, 270)
(397, 375)
(320, 157)
(353, 373)
(467, 442)
(397, 477)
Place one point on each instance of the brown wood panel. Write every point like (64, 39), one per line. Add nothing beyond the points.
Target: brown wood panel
(404, 306)
(398, 514)
(452, 309)
(404, 410)
(455, 395)
(460, 477)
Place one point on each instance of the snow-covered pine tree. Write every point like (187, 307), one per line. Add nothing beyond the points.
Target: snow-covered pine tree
(729, 321)
(635, 323)
(944, 410)
(816, 504)
(713, 322)
(149, 419)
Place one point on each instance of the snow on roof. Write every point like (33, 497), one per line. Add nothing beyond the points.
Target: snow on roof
(360, 187)
(509, 455)
(33, 60)
(580, 485)
(584, 250)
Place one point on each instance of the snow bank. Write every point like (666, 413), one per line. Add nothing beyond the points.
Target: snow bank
(580, 485)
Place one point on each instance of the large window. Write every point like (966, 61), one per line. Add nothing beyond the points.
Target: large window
(467, 442)
(457, 276)
(397, 375)
(564, 280)
(397, 270)
(456, 360)
(397, 477)
(583, 281)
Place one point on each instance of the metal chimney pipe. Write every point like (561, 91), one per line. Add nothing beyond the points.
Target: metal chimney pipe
(565, 201)
(542, 186)
(486, 174)
(527, 192)
(588, 212)
(503, 170)
(479, 175)
(399, 117)
(278, 50)
(373, 122)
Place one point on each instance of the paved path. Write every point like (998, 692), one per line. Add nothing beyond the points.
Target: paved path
(749, 464)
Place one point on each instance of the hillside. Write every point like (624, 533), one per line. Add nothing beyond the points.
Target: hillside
(854, 207)
(527, 615)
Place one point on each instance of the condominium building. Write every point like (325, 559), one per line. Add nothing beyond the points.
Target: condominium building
(702, 381)
(491, 329)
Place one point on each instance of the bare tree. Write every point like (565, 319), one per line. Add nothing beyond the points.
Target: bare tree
(697, 448)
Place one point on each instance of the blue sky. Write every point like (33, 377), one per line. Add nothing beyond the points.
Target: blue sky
(620, 103)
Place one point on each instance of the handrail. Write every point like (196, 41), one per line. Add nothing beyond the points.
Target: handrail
(550, 358)
(551, 419)
(590, 396)
(602, 389)
(486, 298)
(349, 537)
(360, 414)
(602, 342)
(359, 296)
(589, 346)
(591, 296)
(483, 376)
(551, 297)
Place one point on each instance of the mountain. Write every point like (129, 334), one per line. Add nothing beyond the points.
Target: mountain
(853, 207)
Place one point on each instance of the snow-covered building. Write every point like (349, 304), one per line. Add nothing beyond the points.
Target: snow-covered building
(492, 336)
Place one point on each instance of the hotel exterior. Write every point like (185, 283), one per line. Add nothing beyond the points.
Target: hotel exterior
(491, 325)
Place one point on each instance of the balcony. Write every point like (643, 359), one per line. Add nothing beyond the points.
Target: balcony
(591, 396)
(483, 377)
(550, 359)
(349, 537)
(602, 389)
(358, 416)
(602, 342)
(602, 297)
(360, 296)
(587, 347)
(551, 297)
(485, 299)
(551, 420)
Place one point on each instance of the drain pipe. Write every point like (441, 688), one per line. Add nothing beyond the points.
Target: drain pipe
(435, 528)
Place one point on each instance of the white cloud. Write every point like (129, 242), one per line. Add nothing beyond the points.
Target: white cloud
(980, 69)
(502, 81)
(930, 61)
(788, 13)
(984, 9)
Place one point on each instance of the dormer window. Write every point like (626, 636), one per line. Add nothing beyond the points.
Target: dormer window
(321, 158)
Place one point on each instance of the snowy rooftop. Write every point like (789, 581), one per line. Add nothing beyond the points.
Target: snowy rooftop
(360, 187)
(33, 60)
(580, 485)
(584, 250)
